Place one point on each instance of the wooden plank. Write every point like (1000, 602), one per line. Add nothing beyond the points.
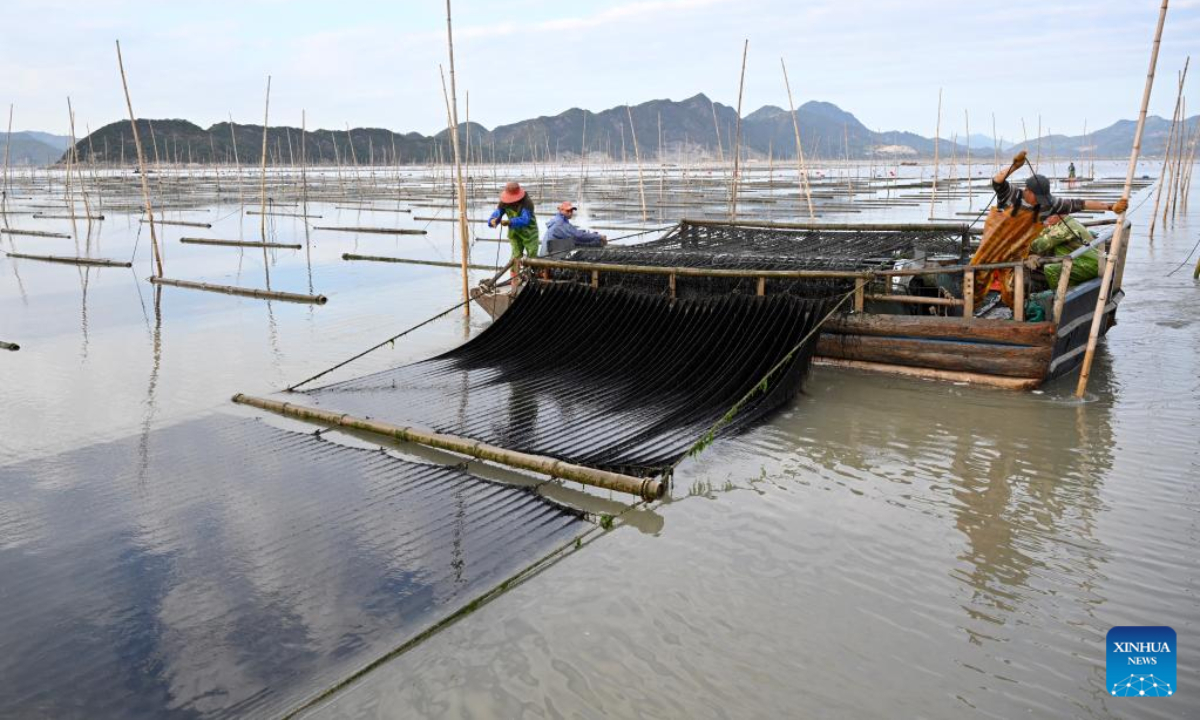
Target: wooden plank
(943, 328)
(986, 358)
(996, 381)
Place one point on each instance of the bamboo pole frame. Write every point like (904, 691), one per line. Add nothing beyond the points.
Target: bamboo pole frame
(1116, 248)
(646, 488)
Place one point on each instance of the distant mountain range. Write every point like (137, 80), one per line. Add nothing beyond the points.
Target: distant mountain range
(665, 130)
(35, 148)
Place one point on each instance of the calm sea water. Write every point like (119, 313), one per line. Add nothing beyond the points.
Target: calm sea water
(882, 548)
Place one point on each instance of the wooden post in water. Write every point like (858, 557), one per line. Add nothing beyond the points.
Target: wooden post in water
(737, 141)
(1116, 249)
(464, 233)
(141, 166)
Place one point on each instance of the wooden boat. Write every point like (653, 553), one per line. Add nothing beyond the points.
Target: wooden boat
(888, 329)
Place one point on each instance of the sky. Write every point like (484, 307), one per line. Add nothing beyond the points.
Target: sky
(368, 64)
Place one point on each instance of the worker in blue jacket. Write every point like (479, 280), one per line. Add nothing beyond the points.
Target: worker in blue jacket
(561, 236)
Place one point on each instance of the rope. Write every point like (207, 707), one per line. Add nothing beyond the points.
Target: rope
(373, 348)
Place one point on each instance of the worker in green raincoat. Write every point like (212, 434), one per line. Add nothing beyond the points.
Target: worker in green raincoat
(1064, 235)
(516, 211)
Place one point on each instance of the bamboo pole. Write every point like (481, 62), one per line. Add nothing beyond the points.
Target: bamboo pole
(409, 261)
(1165, 173)
(1173, 200)
(463, 232)
(238, 243)
(737, 138)
(263, 186)
(800, 168)
(937, 142)
(99, 262)
(141, 166)
(247, 292)
(970, 195)
(645, 488)
(637, 156)
(9, 346)
(1116, 248)
(7, 188)
(377, 231)
(33, 233)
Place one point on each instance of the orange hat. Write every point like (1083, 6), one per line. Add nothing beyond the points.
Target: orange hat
(566, 207)
(513, 192)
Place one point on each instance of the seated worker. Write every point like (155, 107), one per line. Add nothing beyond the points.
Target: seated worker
(1036, 193)
(562, 236)
(516, 211)
(1062, 236)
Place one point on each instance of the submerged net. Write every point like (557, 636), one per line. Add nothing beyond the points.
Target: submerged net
(606, 378)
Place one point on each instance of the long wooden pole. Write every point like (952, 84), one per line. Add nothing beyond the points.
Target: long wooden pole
(1116, 248)
(737, 140)
(141, 166)
(800, 168)
(463, 231)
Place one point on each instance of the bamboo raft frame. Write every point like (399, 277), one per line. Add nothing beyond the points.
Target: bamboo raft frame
(645, 488)
(904, 338)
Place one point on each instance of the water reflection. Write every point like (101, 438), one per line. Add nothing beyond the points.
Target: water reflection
(254, 567)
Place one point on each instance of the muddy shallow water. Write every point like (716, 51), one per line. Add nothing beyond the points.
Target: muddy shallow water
(882, 547)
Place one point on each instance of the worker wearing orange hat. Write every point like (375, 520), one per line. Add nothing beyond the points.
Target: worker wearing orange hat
(516, 211)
